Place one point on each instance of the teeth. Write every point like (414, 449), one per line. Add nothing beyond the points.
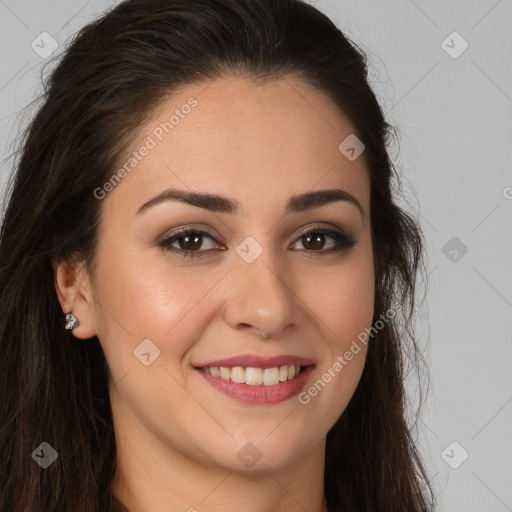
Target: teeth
(255, 376)
(238, 374)
(271, 376)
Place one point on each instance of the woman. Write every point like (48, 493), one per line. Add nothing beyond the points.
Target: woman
(206, 286)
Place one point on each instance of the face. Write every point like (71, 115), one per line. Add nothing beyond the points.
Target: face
(183, 288)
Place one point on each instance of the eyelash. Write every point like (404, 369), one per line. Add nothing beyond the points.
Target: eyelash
(343, 241)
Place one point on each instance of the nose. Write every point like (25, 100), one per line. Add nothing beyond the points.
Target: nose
(260, 298)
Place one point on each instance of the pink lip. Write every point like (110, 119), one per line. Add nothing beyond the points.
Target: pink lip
(260, 395)
(256, 361)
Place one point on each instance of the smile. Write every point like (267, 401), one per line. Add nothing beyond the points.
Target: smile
(254, 376)
(257, 380)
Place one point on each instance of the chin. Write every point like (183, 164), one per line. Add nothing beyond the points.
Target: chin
(268, 451)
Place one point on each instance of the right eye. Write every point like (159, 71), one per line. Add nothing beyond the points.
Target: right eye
(189, 241)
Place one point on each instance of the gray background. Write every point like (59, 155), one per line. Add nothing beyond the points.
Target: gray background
(454, 115)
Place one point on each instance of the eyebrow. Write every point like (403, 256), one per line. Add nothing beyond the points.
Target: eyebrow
(221, 204)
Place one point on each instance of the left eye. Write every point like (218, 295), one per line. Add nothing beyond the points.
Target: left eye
(190, 242)
(315, 239)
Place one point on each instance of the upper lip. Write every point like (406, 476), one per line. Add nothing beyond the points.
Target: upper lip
(256, 361)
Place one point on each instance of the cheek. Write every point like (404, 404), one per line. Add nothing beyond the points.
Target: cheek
(343, 301)
(351, 311)
(136, 301)
(344, 306)
(345, 320)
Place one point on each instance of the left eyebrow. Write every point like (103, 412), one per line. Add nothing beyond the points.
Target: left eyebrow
(319, 198)
(221, 204)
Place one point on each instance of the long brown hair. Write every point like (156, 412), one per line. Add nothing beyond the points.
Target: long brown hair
(109, 80)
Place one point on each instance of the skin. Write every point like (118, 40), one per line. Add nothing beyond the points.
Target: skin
(177, 437)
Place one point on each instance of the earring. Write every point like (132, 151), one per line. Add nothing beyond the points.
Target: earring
(71, 321)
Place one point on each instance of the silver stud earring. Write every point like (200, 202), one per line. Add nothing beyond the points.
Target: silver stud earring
(71, 321)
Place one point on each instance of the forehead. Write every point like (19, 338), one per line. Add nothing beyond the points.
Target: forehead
(244, 139)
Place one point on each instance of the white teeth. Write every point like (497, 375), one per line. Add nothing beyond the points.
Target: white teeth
(271, 376)
(255, 376)
(238, 374)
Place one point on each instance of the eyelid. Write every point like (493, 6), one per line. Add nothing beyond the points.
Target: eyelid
(323, 225)
(175, 235)
(302, 231)
(343, 240)
(189, 228)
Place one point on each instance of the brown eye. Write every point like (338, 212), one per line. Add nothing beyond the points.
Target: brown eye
(192, 242)
(189, 243)
(315, 241)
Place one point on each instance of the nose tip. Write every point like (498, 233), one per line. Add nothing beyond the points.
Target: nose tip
(260, 300)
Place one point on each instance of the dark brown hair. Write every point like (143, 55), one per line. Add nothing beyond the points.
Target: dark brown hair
(109, 80)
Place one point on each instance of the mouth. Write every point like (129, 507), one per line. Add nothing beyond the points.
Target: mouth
(254, 376)
(255, 380)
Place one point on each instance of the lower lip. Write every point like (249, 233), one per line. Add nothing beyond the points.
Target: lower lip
(259, 395)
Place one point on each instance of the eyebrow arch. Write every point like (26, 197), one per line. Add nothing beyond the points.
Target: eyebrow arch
(221, 204)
